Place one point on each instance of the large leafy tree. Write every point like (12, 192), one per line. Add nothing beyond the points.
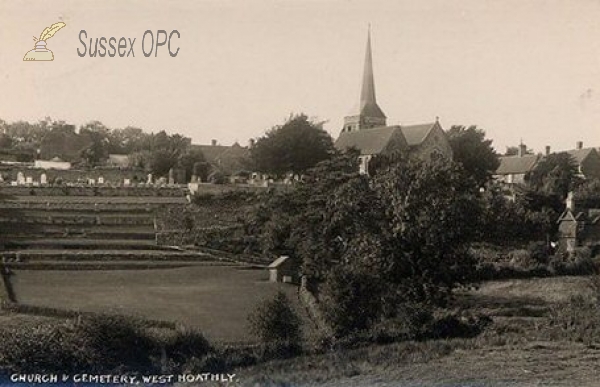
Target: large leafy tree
(556, 174)
(476, 154)
(409, 226)
(294, 147)
(98, 136)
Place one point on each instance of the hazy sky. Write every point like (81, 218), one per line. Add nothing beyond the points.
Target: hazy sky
(519, 69)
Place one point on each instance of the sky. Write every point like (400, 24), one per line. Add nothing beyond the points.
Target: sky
(522, 70)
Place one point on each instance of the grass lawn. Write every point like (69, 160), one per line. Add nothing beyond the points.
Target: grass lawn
(215, 300)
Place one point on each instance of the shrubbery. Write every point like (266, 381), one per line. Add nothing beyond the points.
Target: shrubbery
(277, 326)
(351, 301)
(535, 261)
(579, 320)
(100, 344)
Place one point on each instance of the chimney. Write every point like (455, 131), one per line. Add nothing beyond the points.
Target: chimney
(213, 142)
(579, 145)
(522, 150)
(547, 150)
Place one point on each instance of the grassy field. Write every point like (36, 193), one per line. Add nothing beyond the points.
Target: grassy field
(520, 348)
(215, 300)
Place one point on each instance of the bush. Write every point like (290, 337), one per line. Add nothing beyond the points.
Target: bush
(539, 252)
(578, 321)
(351, 301)
(521, 259)
(217, 177)
(579, 262)
(96, 344)
(453, 326)
(45, 348)
(187, 349)
(277, 326)
(114, 343)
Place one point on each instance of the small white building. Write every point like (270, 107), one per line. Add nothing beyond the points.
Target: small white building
(55, 163)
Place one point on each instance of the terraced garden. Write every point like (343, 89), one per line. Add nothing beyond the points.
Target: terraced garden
(100, 254)
(72, 231)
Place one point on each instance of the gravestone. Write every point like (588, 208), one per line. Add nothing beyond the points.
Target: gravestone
(196, 173)
(29, 180)
(101, 180)
(127, 182)
(171, 177)
(43, 179)
(149, 179)
(179, 175)
(91, 181)
(20, 178)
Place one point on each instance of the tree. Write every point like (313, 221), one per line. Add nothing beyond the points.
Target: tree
(191, 158)
(128, 140)
(409, 226)
(430, 217)
(98, 136)
(294, 147)
(62, 141)
(276, 323)
(514, 150)
(556, 174)
(474, 152)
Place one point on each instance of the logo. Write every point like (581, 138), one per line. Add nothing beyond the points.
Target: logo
(40, 52)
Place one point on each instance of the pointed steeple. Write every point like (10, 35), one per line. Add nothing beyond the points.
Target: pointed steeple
(367, 93)
(369, 114)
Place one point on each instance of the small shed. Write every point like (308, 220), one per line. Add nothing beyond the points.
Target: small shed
(282, 270)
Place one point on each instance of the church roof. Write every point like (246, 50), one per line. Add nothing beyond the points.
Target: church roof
(368, 141)
(515, 165)
(416, 134)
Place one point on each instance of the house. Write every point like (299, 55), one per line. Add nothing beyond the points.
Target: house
(229, 160)
(579, 225)
(514, 169)
(587, 159)
(365, 128)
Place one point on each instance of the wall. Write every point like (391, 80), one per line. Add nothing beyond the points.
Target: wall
(207, 188)
(85, 190)
(111, 175)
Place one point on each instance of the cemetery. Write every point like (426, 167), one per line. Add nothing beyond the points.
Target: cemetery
(95, 246)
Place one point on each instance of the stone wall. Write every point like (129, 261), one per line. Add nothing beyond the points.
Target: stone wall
(110, 175)
(88, 190)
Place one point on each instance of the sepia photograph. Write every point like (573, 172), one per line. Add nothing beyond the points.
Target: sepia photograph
(291, 193)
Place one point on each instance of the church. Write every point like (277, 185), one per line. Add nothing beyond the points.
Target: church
(366, 129)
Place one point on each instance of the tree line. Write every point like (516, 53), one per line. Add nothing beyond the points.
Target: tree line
(91, 143)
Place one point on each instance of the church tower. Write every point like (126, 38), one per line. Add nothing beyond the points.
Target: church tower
(369, 114)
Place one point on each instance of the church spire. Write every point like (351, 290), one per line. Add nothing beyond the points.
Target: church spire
(369, 114)
(367, 94)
